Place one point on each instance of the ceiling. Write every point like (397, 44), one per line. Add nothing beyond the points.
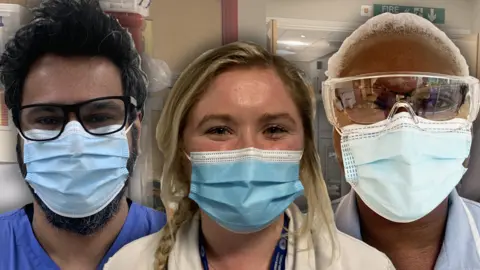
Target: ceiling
(308, 45)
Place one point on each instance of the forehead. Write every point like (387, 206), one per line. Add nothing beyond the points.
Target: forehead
(252, 89)
(397, 54)
(66, 80)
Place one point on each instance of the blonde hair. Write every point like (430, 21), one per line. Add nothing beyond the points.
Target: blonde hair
(188, 89)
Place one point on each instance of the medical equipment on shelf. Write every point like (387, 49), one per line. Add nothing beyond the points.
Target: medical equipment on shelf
(131, 15)
(14, 192)
(12, 17)
(140, 7)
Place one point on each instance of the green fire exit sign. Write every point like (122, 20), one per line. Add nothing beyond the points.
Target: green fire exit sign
(435, 15)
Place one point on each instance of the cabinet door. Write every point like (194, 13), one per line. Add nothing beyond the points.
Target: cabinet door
(332, 172)
(469, 186)
(272, 36)
(468, 46)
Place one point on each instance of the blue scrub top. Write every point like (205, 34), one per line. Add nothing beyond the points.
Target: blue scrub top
(459, 250)
(20, 250)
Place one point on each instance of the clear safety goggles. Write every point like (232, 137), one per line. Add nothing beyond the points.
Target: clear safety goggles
(372, 98)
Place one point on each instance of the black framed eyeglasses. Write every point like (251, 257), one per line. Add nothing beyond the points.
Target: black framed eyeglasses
(100, 116)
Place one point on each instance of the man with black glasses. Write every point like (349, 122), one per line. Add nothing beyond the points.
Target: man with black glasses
(75, 90)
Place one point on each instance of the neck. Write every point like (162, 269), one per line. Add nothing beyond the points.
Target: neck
(414, 245)
(229, 250)
(72, 251)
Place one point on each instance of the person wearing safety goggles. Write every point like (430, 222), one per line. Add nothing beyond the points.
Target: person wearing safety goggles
(402, 104)
(240, 148)
(75, 90)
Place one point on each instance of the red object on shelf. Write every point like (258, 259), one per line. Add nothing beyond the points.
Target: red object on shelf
(134, 24)
(3, 111)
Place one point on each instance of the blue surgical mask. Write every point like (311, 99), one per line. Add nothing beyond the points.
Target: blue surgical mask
(245, 190)
(403, 170)
(78, 174)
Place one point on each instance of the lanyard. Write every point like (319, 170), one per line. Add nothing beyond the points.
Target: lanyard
(279, 254)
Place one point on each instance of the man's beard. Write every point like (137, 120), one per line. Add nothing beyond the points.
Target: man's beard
(94, 223)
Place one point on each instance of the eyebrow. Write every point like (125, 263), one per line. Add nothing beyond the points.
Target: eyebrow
(44, 109)
(103, 104)
(218, 117)
(265, 118)
(268, 117)
(41, 110)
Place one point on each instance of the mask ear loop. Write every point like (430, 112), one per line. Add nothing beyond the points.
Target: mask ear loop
(21, 135)
(128, 128)
(187, 156)
(339, 130)
(474, 94)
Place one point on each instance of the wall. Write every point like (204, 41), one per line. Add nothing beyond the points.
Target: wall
(475, 17)
(183, 29)
(252, 21)
(459, 13)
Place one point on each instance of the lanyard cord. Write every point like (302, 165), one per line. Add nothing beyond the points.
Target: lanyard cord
(279, 254)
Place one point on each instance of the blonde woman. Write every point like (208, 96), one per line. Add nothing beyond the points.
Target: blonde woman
(237, 134)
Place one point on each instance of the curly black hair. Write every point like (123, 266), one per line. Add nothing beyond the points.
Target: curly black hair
(71, 28)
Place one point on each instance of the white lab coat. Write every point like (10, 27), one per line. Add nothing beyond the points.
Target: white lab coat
(354, 254)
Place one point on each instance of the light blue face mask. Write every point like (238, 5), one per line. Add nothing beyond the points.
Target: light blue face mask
(245, 190)
(403, 170)
(78, 174)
